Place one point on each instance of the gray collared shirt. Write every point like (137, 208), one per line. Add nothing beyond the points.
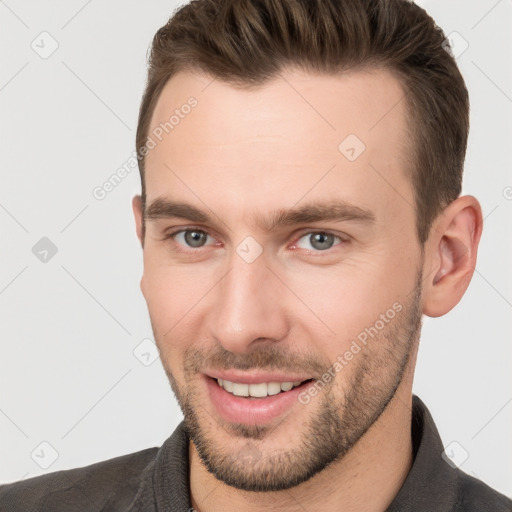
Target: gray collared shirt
(157, 480)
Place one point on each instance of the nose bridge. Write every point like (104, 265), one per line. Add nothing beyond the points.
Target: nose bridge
(247, 305)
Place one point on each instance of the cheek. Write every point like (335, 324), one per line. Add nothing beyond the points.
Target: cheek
(173, 295)
(338, 303)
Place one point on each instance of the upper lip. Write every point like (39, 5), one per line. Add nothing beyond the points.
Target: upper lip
(248, 377)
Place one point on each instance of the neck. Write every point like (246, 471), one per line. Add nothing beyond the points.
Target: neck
(366, 479)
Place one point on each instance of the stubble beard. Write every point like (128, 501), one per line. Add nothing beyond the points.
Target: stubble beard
(335, 423)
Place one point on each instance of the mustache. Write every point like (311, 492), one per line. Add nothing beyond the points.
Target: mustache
(264, 357)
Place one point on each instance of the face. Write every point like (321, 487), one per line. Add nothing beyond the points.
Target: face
(280, 250)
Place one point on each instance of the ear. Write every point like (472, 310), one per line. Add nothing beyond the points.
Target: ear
(451, 251)
(137, 213)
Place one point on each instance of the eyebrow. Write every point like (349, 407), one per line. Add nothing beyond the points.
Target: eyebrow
(339, 211)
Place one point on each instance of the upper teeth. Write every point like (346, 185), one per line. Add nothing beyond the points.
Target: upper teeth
(257, 390)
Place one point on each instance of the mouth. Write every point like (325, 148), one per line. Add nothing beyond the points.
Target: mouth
(255, 403)
(259, 390)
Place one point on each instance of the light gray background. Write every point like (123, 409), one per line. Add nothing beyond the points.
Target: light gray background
(69, 327)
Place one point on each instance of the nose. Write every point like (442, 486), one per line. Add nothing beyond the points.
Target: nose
(249, 306)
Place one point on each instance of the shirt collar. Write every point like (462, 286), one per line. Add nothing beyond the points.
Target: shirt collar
(431, 483)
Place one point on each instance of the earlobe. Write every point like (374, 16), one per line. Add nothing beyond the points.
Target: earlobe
(137, 213)
(452, 255)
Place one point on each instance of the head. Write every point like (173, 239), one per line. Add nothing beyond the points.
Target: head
(299, 217)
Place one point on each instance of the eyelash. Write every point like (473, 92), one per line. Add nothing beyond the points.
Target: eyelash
(192, 250)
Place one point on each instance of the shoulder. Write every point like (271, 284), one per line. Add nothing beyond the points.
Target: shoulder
(476, 496)
(92, 487)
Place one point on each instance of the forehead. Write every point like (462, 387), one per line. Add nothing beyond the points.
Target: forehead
(299, 135)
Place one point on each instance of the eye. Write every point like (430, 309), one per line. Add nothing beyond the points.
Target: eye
(190, 237)
(319, 241)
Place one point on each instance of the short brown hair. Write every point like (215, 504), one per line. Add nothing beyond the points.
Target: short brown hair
(246, 43)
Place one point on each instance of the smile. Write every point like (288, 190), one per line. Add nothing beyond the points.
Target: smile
(259, 390)
(254, 403)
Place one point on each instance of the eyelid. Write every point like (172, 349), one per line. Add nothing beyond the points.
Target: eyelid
(177, 229)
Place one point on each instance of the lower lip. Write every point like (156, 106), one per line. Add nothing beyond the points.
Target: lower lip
(252, 411)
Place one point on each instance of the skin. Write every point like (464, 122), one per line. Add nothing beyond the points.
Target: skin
(239, 155)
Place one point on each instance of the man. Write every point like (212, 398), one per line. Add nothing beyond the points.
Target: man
(301, 168)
